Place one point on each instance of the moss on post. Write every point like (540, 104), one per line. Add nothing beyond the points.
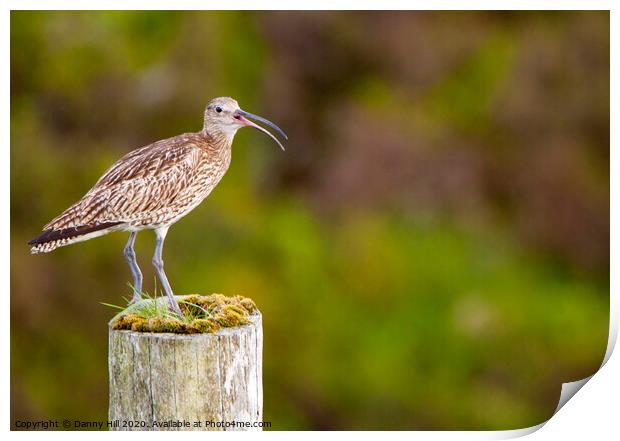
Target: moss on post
(200, 376)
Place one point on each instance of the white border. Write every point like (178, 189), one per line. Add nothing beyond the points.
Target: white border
(592, 414)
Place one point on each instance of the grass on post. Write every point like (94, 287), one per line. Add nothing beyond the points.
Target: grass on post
(201, 314)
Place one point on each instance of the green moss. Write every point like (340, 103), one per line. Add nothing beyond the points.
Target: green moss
(231, 315)
(201, 314)
(206, 325)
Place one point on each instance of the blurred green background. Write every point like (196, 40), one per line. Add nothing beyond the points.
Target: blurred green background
(431, 251)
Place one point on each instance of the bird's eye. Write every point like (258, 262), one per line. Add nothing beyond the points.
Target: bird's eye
(218, 109)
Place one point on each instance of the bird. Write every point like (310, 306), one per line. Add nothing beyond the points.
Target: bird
(154, 186)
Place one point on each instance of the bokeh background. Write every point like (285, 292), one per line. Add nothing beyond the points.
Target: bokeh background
(431, 252)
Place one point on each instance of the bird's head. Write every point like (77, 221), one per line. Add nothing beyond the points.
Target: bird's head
(223, 116)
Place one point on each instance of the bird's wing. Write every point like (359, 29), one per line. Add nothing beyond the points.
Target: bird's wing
(153, 160)
(141, 182)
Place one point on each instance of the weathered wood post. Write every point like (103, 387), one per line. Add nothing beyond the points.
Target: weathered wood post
(166, 381)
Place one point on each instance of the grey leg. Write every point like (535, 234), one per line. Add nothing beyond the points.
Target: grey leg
(158, 263)
(130, 255)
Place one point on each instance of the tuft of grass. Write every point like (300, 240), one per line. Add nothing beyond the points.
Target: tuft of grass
(201, 314)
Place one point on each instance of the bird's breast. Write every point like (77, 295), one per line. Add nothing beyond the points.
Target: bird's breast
(208, 174)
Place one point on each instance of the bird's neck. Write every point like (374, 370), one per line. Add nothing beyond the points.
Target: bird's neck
(217, 139)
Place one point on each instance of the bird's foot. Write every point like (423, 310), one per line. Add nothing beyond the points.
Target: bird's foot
(136, 298)
(174, 306)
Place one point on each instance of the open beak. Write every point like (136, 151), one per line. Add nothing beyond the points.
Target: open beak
(243, 116)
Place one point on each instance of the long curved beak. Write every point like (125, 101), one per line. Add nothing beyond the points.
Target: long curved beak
(242, 116)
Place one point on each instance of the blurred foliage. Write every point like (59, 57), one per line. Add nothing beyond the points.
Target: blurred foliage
(431, 252)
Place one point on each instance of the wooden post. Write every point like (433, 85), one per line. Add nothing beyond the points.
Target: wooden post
(186, 382)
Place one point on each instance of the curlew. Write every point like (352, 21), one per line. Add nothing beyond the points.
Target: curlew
(153, 187)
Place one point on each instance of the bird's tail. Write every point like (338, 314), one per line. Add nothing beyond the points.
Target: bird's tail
(51, 239)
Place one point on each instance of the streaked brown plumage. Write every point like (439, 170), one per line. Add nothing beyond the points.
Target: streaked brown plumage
(153, 187)
(147, 188)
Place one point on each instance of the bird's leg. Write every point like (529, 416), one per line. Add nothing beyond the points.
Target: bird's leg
(158, 263)
(130, 255)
